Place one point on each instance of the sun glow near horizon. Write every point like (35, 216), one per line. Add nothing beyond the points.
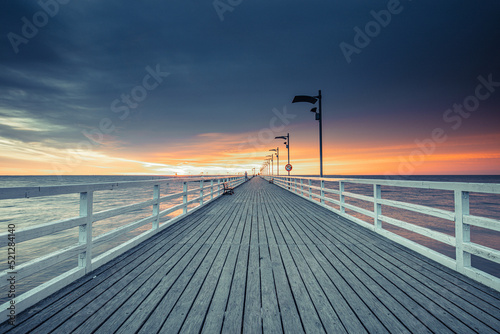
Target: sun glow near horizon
(229, 153)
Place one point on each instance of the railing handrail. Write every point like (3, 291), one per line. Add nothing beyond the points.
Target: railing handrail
(85, 220)
(31, 191)
(461, 216)
(493, 188)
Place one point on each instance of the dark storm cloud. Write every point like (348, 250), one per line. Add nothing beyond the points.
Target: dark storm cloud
(235, 71)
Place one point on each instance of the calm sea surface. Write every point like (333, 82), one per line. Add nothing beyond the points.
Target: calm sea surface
(34, 211)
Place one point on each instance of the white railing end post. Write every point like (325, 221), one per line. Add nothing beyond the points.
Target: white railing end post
(462, 230)
(85, 230)
(201, 192)
(341, 196)
(184, 197)
(377, 208)
(156, 206)
(322, 191)
(212, 189)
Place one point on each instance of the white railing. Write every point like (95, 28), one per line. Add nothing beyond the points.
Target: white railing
(83, 249)
(461, 240)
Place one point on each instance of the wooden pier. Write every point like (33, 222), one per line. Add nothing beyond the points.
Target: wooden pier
(266, 260)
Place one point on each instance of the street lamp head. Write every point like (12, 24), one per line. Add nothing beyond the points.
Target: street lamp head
(273, 149)
(314, 109)
(305, 98)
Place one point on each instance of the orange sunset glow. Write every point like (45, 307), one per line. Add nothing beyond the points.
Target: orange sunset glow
(219, 153)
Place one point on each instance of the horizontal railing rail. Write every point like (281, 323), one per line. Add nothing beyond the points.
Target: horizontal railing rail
(85, 219)
(460, 216)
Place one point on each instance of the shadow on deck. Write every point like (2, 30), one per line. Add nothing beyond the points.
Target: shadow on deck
(266, 260)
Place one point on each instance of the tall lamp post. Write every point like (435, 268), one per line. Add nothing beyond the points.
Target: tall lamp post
(277, 150)
(287, 143)
(312, 100)
(272, 163)
(268, 167)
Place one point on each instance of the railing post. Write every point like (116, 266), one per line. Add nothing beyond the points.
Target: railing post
(310, 190)
(156, 206)
(301, 187)
(212, 189)
(462, 231)
(341, 196)
(201, 192)
(377, 208)
(322, 192)
(185, 196)
(85, 231)
(218, 187)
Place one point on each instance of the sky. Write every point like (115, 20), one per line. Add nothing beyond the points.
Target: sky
(189, 87)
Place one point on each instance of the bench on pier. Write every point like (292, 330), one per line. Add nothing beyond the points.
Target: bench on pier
(227, 189)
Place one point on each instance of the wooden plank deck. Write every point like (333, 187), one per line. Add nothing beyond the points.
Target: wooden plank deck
(266, 260)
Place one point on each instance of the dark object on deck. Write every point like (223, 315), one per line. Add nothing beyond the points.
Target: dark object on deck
(228, 189)
(271, 180)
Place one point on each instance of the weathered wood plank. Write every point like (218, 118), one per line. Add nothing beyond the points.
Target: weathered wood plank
(252, 318)
(233, 319)
(175, 319)
(413, 277)
(271, 321)
(326, 319)
(215, 317)
(198, 309)
(156, 299)
(291, 321)
(396, 301)
(132, 288)
(113, 298)
(331, 306)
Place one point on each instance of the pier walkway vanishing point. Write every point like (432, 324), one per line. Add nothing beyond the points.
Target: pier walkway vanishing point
(266, 260)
